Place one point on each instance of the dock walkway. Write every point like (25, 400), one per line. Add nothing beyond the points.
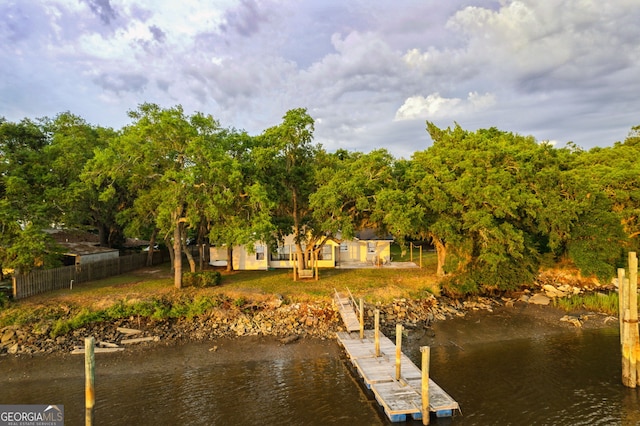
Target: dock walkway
(348, 310)
(398, 398)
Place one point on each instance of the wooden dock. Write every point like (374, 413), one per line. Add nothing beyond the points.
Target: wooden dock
(348, 310)
(398, 398)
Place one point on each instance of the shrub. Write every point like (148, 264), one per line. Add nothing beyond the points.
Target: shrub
(201, 279)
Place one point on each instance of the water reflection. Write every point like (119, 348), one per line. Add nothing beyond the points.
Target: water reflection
(571, 378)
(166, 389)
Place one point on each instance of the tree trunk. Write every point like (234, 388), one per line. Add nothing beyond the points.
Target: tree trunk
(229, 258)
(177, 256)
(103, 235)
(172, 255)
(301, 257)
(203, 249)
(192, 262)
(296, 232)
(441, 251)
(152, 243)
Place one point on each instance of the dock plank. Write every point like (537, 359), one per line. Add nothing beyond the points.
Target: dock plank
(365, 348)
(439, 400)
(398, 398)
(347, 312)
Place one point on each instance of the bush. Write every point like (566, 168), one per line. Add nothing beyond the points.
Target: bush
(201, 279)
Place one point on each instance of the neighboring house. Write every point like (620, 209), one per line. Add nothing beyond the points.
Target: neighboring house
(81, 247)
(83, 253)
(365, 249)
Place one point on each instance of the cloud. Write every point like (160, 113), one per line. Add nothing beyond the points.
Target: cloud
(103, 9)
(122, 82)
(544, 46)
(245, 19)
(158, 34)
(435, 106)
(370, 73)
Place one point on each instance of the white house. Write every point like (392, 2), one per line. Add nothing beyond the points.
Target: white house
(365, 249)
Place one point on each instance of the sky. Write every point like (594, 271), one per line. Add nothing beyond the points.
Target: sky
(369, 72)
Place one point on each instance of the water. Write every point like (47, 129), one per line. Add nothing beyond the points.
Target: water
(241, 383)
(567, 378)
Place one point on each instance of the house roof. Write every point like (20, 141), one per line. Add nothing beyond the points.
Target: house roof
(85, 248)
(371, 234)
(368, 234)
(78, 242)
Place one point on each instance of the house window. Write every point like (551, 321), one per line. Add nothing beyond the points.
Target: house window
(259, 252)
(344, 247)
(326, 253)
(282, 253)
(371, 247)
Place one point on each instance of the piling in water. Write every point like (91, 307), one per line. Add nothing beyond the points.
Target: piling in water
(89, 372)
(628, 313)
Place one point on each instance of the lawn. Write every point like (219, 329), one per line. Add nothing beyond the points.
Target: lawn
(374, 285)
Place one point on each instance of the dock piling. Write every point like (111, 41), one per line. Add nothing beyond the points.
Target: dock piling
(426, 355)
(398, 350)
(89, 372)
(361, 319)
(629, 338)
(376, 334)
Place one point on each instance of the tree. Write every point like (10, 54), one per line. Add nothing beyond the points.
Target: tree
(614, 171)
(24, 211)
(485, 197)
(24, 170)
(151, 159)
(231, 201)
(285, 157)
(75, 203)
(348, 198)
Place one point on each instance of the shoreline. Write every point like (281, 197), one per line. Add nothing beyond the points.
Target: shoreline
(283, 324)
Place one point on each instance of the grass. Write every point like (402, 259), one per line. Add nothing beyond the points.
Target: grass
(374, 285)
(598, 302)
(413, 254)
(150, 293)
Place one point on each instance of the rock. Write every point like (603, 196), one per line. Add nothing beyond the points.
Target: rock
(571, 319)
(13, 349)
(539, 299)
(9, 335)
(552, 292)
(41, 329)
(128, 331)
(289, 339)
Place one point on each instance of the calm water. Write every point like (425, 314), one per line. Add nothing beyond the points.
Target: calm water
(568, 378)
(571, 378)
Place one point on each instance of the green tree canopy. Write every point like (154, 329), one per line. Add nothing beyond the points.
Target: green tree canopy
(493, 202)
(285, 156)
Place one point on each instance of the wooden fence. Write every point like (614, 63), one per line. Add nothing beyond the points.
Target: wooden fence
(37, 282)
